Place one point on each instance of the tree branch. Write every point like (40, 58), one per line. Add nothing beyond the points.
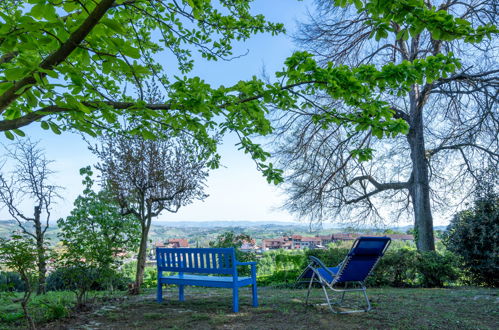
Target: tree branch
(379, 187)
(459, 146)
(59, 55)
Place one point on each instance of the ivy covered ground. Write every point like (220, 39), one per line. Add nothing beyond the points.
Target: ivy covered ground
(207, 308)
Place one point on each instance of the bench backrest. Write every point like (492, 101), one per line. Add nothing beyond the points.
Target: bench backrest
(206, 260)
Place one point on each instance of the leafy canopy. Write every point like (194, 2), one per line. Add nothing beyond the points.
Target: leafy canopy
(73, 64)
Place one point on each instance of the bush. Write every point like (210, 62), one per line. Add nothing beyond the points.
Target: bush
(473, 235)
(435, 269)
(403, 267)
(11, 281)
(64, 279)
(396, 268)
(331, 257)
(51, 308)
(283, 278)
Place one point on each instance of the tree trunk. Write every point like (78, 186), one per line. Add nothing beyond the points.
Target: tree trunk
(141, 258)
(42, 264)
(420, 187)
(24, 302)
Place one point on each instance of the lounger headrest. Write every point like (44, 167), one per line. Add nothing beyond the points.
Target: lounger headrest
(370, 246)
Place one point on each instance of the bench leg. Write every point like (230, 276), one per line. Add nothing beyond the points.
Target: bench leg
(235, 299)
(181, 293)
(255, 295)
(159, 293)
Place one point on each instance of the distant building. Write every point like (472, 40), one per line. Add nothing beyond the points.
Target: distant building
(276, 243)
(173, 243)
(249, 246)
(319, 242)
(291, 243)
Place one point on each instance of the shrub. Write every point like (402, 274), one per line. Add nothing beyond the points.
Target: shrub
(435, 269)
(11, 281)
(150, 277)
(51, 308)
(330, 257)
(69, 279)
(403, 267)
(283, 278)
(473, 234)
(396, 268)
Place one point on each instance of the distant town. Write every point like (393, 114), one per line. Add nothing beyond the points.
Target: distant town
(292, 242)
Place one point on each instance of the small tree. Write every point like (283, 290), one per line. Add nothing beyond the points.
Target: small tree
(147, 177)
(474, 235)
(230, 239)
(30, 180)
(92, 236)
(20, 254)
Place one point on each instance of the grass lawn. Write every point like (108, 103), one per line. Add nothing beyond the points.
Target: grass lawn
(208, 308)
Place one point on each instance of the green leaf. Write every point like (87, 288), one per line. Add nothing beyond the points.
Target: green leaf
(131, 51)
(19, 132)
(37, 10)
(9, 135)
(148, 135)
(55, 128)
(15, 73)
(114, 25)
(44, 125)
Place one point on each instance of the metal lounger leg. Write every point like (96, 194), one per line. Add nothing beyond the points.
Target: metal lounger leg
(343, 295)
(327, 298)
(310, 287)
(367, 299)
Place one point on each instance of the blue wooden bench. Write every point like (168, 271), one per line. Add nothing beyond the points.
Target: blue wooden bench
(214, 261)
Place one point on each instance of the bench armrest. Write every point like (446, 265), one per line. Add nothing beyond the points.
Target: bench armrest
(253, 267)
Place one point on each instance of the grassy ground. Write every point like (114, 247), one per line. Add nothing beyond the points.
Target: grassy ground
(46, 308)
(206, 308)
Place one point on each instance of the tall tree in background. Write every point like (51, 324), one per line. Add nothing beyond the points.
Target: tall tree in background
(147, 177)
(29, 182)
(452, 115)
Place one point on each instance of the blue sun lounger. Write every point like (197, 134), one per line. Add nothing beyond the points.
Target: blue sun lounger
(352, 271)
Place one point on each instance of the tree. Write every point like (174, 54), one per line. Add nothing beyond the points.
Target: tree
(473, 233)
(445, 88)
(60, 64)
(93, 236)
(229, 239)
(19, 253)
(30, 179)
(147, 177)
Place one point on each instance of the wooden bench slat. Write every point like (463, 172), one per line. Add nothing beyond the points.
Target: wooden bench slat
(225, 279)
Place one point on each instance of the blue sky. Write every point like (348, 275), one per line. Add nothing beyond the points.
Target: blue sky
(237, 190)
